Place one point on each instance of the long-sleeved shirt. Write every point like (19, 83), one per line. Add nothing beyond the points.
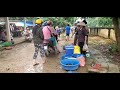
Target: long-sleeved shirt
(38, 36)
(81, 34)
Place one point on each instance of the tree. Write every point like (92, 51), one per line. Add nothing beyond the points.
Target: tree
(100, 22)
(107, 22)
(117, 31)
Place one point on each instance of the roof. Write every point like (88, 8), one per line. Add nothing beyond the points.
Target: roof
(20, 23)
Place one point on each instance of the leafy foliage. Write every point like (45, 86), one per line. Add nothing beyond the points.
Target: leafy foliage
(100, 22)
(113, 48)
(58, 21)
(62, 21)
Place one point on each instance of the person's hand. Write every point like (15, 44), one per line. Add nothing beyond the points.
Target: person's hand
(85, 43)
(77, 44)
(72, 36)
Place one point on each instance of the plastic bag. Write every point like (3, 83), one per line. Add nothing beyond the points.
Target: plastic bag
(6, 44)
(77, 50)
(85, 47)
(81, 59)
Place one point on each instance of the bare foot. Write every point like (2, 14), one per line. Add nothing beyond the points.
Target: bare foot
(44, 60)
(35, 64)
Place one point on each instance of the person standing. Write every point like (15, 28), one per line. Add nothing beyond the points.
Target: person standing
(82, 36)
(67, 28)
(76, 33)
(38, 39)
(58, 32)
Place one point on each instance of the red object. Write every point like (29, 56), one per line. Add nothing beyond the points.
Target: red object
(8, 48)
(97, 66)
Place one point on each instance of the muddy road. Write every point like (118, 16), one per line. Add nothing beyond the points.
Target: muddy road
(19, 60)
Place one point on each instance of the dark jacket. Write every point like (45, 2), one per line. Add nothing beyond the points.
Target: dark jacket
(38, 35)
(81, 34)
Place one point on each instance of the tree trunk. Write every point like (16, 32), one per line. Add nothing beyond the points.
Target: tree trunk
(7, 29)
(117, 31)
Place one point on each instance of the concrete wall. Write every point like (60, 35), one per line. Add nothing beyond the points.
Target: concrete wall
(112, 35)
(103, 33)
(93, 32)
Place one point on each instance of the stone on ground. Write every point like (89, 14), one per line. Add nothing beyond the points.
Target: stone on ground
(101, 70)
(113, 68)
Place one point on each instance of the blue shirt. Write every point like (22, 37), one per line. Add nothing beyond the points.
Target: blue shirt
(67, 29)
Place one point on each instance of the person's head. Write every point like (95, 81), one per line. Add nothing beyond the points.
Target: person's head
(68, 25)
(45, 23)
(56, 27)
(38, 22)
(75, 24)
(80, 25)
(50, 23)
(38, 17)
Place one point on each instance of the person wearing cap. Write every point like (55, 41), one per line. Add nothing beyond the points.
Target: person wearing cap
(58, 30)
(82, 36)
(38, 39)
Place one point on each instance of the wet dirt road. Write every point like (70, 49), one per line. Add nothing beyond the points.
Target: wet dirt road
(19, 60)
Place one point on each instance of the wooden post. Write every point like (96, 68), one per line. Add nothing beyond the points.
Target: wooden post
(109, 33)
(7, 29)
(33, 20)
(97, 31)
(24, 23)
(94, 31)
(89, 31)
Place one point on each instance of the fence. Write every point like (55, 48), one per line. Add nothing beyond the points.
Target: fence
(106, 32)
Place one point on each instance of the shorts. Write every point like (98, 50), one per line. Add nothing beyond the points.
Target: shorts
(67, 34)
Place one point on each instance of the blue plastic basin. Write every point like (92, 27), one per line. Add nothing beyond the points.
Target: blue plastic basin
(77, 55)
(70, 64)
(65, 56)
(69, 49)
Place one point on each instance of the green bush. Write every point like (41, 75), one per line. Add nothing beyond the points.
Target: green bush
(0, 46)
(6, 44)
(113, 48)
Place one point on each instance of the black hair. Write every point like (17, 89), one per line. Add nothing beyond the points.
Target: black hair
(68, 25)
